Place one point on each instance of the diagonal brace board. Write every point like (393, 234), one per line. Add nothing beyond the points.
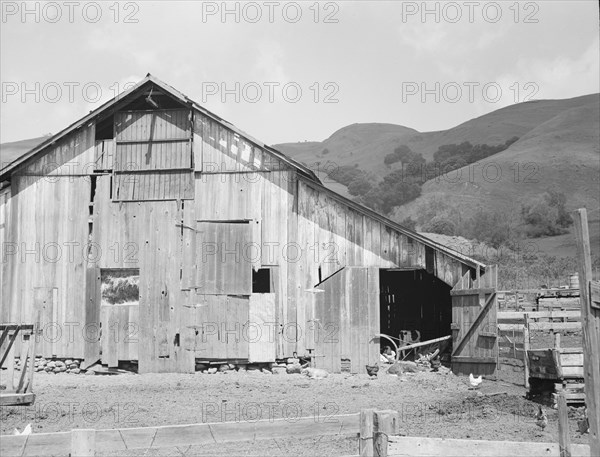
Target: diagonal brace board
(475, 324)
(10, 343)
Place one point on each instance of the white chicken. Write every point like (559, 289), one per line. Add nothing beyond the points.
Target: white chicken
(475, 382)
(26, 431)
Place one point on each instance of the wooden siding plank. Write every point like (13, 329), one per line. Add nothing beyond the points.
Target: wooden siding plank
(262, 328)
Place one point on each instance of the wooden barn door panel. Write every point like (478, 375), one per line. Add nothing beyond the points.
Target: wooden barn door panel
(347, 320)
(46, 301)
(219, 327)
(327, 323)
(474, 324)
(261, 333)
(222, 261)
(118, 314)
(92, 318)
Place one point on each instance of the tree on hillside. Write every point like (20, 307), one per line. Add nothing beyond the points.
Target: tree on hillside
(403, 154)
(359, 186)
(546, 214)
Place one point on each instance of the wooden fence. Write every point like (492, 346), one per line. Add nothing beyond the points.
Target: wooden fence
(17, 390)
(528, 300)
(89, 442)
(417, 446)
(377, 433)
(515, 326)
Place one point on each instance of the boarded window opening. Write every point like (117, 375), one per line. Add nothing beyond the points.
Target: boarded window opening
(261, 281)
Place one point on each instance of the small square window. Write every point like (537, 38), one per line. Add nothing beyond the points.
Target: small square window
(261, 281)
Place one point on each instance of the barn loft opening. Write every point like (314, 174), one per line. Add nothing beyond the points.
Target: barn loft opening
(414, 305)
(105, 129)
(149, 98)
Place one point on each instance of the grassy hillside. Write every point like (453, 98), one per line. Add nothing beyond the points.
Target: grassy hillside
(558, 148)
(562, 153)
(10, 151)
(367, 144)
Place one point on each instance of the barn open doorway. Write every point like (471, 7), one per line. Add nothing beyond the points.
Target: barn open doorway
(414, 305)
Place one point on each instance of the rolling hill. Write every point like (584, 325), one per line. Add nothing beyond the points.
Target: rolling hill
(10, 151)
(558, 148)
(366, 145)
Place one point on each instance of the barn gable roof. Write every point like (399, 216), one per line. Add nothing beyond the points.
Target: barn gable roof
(119, 99)
(307, 174)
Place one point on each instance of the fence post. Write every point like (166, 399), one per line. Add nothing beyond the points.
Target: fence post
(365, 438)
(556, 340)
(83, 442)
(386, 424)
(526, 348)
(590, 326)
(564, 440)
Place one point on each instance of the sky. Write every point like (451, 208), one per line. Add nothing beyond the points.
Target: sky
(296, 71)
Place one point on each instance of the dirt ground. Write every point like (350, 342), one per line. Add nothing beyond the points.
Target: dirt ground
(430, 404)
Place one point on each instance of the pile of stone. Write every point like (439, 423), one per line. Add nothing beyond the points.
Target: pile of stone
(290, 365)
(52, 366)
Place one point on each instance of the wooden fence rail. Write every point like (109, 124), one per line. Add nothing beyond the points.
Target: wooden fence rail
(127, 439)
(419, 446)
(377, 433)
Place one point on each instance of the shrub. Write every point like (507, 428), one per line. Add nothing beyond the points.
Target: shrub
(546, 215)
(359, 186)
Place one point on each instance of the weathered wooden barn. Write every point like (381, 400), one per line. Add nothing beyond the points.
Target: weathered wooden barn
(152, 230)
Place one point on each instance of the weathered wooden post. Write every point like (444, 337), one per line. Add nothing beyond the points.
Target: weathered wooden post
(365, 438)
(83, 442)
(526, 348)
(556, 340)
(386, 424)
(590, 325)
(564, 440)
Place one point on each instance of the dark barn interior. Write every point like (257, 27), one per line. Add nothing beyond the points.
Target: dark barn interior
(414, 305)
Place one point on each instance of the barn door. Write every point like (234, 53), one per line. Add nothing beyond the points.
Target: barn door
(346, 321)
(474, 324)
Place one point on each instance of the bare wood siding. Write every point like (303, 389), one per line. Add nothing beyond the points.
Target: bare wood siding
(121, 338)
(53, 251)
(223, 265)
(148, 186)
(148, 236)
(261, 329)
(153, 125)
(218, 322)
(347, 320)
(153, 157)
(347, 238)
(72, 155)
(104, 154)
(7, 249)
(218, 149)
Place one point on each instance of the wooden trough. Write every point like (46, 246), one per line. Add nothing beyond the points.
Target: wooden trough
(562, 365)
